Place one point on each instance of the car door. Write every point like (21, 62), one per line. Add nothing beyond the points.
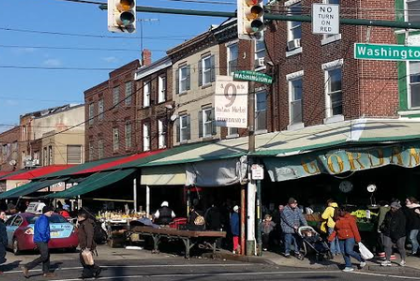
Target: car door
(15, 225)
(10, 230)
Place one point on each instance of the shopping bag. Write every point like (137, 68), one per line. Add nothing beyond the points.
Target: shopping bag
(88, 257)
(364, 252)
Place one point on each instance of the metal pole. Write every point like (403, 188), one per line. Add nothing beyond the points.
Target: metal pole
(259, 218)
(250, 231)
(243, 206)
(135, 194)
(147, 200)
(267, 16)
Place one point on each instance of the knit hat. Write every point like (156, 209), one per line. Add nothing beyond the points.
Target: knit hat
(164, 204)
(395, 205)
(292, 200)
(46, 209)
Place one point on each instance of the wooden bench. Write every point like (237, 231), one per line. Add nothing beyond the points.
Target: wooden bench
(189, 237)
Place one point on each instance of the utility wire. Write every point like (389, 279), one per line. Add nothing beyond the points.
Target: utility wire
(76, 48)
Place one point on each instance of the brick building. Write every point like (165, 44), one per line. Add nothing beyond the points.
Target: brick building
(9, 149)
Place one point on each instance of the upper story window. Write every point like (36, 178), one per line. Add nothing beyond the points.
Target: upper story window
(295, 81)
(91, 152)
(294, 33)
(45, 156)
(115, 96)
(146, 94)
(50, 155)
(206, 126)
(100, 149)
(327, 38)
(146, 136)
(414, 84)
(183, 130)
(74, 154)
(162, 133)
(183, 79)
(259, 53)
(333, 89)
(161, 88)
(91, 113)
(261, 111)
(115, 139)
(412, 10)
(24, 132)
(128, 142)
(128, 92)
(101, 109)
(232, 58)
(206, 73)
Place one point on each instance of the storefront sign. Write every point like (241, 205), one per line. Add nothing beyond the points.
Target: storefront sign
(231, 103)
(257, 172)
(340, 161)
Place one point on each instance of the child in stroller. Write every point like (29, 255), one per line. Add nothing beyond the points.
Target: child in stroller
(314, 241)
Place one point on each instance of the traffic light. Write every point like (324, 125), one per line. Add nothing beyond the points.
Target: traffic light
(122, 16)
(250, 19)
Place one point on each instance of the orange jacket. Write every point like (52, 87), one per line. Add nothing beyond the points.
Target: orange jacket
(346, 227)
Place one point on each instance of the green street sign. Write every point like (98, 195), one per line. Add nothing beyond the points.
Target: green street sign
(248, 75)
(364, 51)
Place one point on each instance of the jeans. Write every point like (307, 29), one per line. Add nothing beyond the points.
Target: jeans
(334, 245)
(388, 247)
(89, 271)
(413, 240)
(347, 249)
(44, 258)
(290, 238)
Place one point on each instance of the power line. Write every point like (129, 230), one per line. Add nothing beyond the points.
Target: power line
(76, 48)
(56, 68)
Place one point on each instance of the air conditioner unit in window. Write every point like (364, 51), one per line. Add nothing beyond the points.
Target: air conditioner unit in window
(294, 44)
(260, 62)
(36, 162)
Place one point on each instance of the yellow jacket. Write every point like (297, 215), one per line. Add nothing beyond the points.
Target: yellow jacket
(328, 215)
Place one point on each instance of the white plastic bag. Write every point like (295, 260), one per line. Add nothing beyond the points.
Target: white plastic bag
(364, 252)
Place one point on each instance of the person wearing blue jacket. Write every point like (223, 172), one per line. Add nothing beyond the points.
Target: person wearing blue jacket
(234, 227)
(291, 219)
(3, 238)
(41, 239)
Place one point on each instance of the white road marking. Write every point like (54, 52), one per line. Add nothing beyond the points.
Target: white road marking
(386, 275)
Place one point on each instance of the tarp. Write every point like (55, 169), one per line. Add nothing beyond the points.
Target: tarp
(35, 173)
(29, 188)
(94, 182)
(169, 175)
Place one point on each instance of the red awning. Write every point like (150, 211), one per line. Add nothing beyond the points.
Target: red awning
(42, 171)
(119, 161)
(2, 173)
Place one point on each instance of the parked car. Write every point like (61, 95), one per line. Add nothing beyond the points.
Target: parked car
(20, 230)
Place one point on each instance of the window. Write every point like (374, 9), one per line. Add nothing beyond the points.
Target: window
(183, 79)
(146, 94)
(414, 85)
(91, 151)
(259, 53)
(162, 89)
(128, 92)
(24, 133)
(115, 96)
(205, 122)
(233, 131)
(74, 154)
(91, 113)
(127, 135)
(50, 155)
(162, 133)
(334, 95)
(295, 97)
(206, 71)
(14, 146)
(146, 136)
(18, 221)
(101, 110)
(330, 38)
(100, 149)
(294, 27)
(232, 56)
(184, 128)
(412, 11)
(261, 111)
(45, 156)
(115, 139)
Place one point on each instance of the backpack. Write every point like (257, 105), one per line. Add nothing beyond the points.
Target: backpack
(99, 235)
(199, 220)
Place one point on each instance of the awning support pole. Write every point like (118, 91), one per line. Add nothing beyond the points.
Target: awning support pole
(243, 207)
(250, 243)
(135, 194)
(259, 219)
(147, 200)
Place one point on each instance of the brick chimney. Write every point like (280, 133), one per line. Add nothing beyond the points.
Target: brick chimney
(146, 57)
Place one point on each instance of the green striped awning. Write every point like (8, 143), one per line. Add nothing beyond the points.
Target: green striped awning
(29, 188)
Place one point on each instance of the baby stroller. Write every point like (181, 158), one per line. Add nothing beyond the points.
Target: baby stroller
(313, 241)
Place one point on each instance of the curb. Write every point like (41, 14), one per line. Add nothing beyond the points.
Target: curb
(246, 259)
(392, 270)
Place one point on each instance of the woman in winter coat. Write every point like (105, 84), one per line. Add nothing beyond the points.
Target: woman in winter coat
(348, 234)
(394, 230)
(87, 243)
(413, 222)
(328, 225)
(235, 228)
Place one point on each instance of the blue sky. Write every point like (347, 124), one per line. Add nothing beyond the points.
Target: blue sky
(27, 90)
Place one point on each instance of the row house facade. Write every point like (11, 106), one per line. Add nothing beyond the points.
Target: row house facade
(9, 149)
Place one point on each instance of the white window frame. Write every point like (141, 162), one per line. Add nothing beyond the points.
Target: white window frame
(91, 147)
(128, 135)
(146, 94)
(406, 9)
(257, 93)
(288, 5)
(257, 67)
(290, 79)
(101, 109)
(329, 117)
(182, 126)
(115, 139)
(80, 155)
(206, 122)
(146, 136)
(228, 56)
(206, 71)
(232, 132)
(100, 149)
(182, 79)
(128, 92)
(115, 96)
(50, 155)
(161, 133)
(326, 39)
(91, 113)
(410, 107)
(161, 88)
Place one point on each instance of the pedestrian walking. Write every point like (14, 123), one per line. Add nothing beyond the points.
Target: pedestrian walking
(3, 238)
(328, 225)
(383, 210)
(41, 239)
(267, 227)
(235, 228)
(394, 231)
(348, 234)
(291, 219)
(87, 245)
(413, 222)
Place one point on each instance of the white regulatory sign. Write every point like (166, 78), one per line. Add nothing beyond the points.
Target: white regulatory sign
(231, 102)
(257, 172)
(326, 19)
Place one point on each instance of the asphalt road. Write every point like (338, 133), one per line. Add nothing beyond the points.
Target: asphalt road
(176, 269)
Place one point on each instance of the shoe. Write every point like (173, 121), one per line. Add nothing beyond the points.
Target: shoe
(386, 263)
(98, 272)
(25, 272)
(348, 269)
(287, 256)
(362, 264)
(412, 254)
(393, 257)
(265, 249)
(402, 263)
(234, 252)
(299, 257)
(381, 255)
(48, 275)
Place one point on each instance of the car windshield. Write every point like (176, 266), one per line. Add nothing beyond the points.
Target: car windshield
(52, 219)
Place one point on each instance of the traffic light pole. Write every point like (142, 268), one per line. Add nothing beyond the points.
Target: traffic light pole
(346, 21)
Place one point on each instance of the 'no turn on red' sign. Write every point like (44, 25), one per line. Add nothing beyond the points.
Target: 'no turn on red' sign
(326, 19)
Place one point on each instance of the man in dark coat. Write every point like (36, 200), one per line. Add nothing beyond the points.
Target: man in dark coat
(214, 220)
(164, 215)
(3, 238)
(87, 243)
